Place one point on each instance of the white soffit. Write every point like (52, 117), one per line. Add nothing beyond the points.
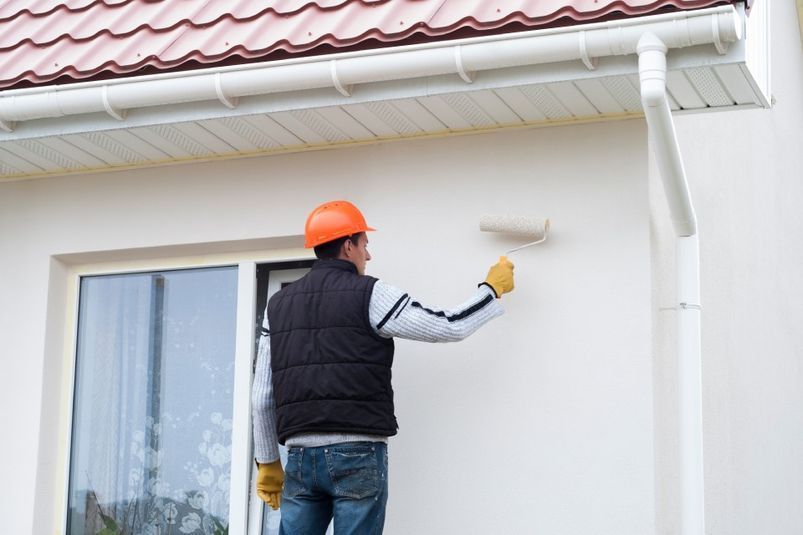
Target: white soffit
(699, 80)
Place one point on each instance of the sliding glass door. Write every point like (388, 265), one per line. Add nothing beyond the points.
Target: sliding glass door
(160, 436)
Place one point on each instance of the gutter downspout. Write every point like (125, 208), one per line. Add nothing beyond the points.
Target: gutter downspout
(652, 73)
(340, 72)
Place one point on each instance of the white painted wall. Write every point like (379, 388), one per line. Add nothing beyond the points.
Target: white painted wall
(540, 423)
(745, 171)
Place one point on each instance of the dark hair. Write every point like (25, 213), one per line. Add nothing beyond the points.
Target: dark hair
(331, 249)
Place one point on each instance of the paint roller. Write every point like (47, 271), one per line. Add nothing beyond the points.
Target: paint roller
(525, 227)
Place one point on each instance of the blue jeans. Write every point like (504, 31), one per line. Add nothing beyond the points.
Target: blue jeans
(346, 481)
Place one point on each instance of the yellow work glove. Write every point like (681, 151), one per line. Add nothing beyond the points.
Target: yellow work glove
(269, 483)
(500, 277)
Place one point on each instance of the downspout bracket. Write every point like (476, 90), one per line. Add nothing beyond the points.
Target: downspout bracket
(468, 77)
(229, 102)
(344, 90)
(588, 61)
(722, 48)
(111, 110)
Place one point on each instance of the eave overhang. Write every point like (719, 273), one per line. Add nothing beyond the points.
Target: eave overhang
(718, 60)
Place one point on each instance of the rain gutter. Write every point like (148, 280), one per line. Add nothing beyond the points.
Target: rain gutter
(586, 43)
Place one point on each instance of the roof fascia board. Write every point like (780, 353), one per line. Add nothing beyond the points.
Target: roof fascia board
(587, 43)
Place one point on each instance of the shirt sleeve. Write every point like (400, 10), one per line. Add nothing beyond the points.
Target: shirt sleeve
(263, 411)
(395, 313)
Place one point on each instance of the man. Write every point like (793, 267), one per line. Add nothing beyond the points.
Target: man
(323, 383)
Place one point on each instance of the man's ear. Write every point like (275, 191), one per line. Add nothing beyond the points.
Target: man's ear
(346, 248)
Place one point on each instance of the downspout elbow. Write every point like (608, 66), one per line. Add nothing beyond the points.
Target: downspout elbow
(652, 70)
(653, 93)
(652, 74)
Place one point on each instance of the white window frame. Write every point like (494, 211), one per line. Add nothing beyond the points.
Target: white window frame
(256, 506)
(241, 461)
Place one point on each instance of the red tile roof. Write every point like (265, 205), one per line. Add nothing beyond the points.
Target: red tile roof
(50, 41)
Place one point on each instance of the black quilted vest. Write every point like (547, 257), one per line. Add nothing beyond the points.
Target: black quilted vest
(331, 371)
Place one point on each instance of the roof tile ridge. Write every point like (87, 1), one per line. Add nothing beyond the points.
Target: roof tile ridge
(290, 47)
(310, 4)
(273, 46)
(570, 11)
(101, 31)
(166, 29)
(70, 70)
(513, 17)
(239, 50)
(420, 28)
(624, 7)
(62, 7)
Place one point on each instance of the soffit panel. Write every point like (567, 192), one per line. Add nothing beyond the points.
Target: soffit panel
(488, 106)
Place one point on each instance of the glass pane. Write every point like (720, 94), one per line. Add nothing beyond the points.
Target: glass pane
(151, 444)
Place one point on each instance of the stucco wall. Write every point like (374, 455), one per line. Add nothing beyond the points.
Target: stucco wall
(745, 173)
(540, 423)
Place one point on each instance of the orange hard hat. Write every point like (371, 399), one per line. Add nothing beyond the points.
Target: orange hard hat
(333, 220)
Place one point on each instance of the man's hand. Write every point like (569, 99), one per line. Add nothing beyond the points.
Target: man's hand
(269, 483)
(500, 277)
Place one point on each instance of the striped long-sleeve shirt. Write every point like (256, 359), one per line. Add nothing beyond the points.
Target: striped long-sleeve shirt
(393, 313)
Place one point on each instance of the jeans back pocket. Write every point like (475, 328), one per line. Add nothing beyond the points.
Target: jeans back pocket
(354, 471)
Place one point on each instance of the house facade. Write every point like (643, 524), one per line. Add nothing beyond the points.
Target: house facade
(148, 215)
